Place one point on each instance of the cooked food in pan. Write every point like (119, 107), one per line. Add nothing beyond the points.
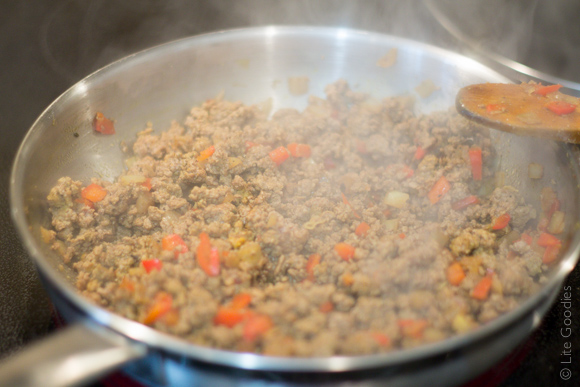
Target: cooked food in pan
(350, 228)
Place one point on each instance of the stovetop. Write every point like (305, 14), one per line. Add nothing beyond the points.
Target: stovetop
(46, 46)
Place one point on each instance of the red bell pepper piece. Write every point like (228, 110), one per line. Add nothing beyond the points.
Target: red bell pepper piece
(240, 301)
(362, 229)
(412, 328)
(229, 317)
(439, 190)
(206, 153)
(560, 107)
(555, 206)
(545, 90)
(150, 264)
(103, 125)
(381, 339)
(147, 184)
(250, 144)
(299, 150)
(361, 147)
(501, 222)
(495, 108)
(546, 240)
(481, 290)
(476, 162)
(527, 238)
(256, 326)
(174, 243)
(94, 193)
(329, 163)
(208, 258)
(161, 305)
(344, 250)
(550, 254)
(420, 153)
(86, 202)
(455, 274)
(465, 202)
(410, 172)
(279, 155)
(345, 201)
(313, 261)
(326, 307)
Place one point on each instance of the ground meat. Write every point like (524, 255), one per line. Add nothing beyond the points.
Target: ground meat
(471, 239)
(275, 236)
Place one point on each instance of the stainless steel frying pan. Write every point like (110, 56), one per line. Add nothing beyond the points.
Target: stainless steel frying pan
(251, 65)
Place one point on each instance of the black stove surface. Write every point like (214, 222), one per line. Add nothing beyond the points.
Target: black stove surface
(46, 46)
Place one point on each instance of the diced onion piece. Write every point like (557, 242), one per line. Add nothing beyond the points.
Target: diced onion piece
(59, 247)
(439, 236)
(233, 162)
(496, 285)
(462, 323)
(535, 171)
(391, 224)
(132, 179)
(143, 202)
(272, 220)
(46, 235)
(511, 237)
(557, 223)
(314, 221)
(250, 255)
(130, 161)
(396, 199)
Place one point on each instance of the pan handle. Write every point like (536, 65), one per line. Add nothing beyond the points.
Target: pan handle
(74, 355)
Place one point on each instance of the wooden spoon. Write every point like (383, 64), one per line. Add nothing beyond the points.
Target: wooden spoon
(528, 109)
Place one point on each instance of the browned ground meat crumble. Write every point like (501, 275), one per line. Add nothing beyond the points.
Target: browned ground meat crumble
(266, 220)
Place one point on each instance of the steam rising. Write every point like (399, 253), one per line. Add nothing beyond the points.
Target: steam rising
(79, 37)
